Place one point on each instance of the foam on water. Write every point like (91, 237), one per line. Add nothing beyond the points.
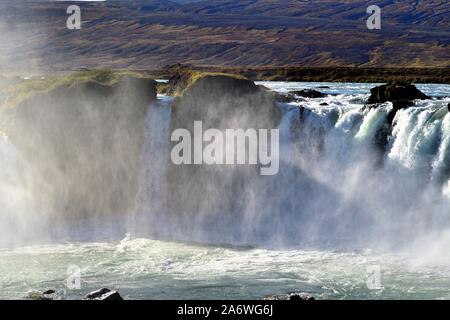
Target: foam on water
(143, 269)
(339, 205)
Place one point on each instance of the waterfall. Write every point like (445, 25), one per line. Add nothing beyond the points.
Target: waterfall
(336, 185)
(349, 176)
(18, 219)
(151, 201)
(338, 190)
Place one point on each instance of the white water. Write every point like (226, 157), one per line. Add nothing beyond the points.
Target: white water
(336, 208)
(148, 269)
(17, 218)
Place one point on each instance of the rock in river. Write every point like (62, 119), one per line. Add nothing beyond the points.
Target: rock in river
(103, 294)
(398, 93)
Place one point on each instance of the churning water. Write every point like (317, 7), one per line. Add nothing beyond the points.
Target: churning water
(352, 193)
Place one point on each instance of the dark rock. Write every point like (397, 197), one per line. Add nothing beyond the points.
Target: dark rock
(41, 296)
(103, 294)
(297, 297)
(323, 87)
(279, 97)
(113, 295)
(324, 104)
(286, 98)
(291, 296)
(49, 291)
(395, 92)
(308, 93)
(448, 107)
(401, 104)
(97, 294)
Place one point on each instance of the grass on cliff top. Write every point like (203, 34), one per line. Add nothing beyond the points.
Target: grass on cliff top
(11, 95)
(190, 77)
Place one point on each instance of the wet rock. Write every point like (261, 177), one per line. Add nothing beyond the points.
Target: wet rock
(448, 107)
(324, 104)
(49, 291)
(103, 294)
(323, 87)
(291, 296)
(287, 98)
(401, 104)
(308, 93)
(400, 93)
(284, 98)
(41, 296)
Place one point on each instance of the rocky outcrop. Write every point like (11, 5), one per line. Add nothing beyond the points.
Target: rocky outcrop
(291, 297)
(399, 93)
(83, 141)
(308, 93)
(47, 295)
(103, 294)
(224, 101)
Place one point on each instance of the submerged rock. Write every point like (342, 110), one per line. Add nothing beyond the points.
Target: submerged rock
(291, 296)
(103, 294)
(308, 93)
(398, 93)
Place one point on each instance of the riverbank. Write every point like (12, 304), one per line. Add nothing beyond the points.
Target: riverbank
(300, 74)
(324, 74)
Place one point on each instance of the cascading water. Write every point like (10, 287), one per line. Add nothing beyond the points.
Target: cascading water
(348, 178)
(349, 182)
(151, 201)
(363, 201)
(18, 220)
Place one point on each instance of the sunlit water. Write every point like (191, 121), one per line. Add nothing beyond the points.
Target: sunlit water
(141, 268)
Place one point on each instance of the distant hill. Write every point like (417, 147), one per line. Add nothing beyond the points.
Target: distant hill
(149, 34)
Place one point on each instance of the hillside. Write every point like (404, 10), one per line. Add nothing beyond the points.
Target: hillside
(149, 34)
